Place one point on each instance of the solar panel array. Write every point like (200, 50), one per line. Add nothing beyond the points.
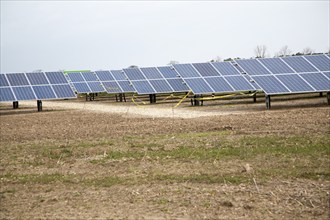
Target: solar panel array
(34, 86)
(285, 75)
(217, 77)
(155, 80)
(85, 82)
(114, 81)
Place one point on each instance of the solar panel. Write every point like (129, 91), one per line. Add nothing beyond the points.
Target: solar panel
(6, 94)
(85, 82)
(56, 78)
(299, 64)
(295, 83)
(276, 65)
(63, 91)
(112, 87)
(206, 69)
(161, 86)
(327, 74)
(3, 80)
(219, 84)
(321, 62)
(126, 86)
(81, 87)
(317, 80)
(252, 67)
(44, 92)
(198, 86)
(37, 78)
(178, 85)
(118, 74)
(17, 79)
(239, 83)
(24, 93)
(168, 72)
(151, 73)
(270, 84)
(226, 68)
(114, 81)
(186, 70)
(32, 86)
(96, 86)
(76, 77)
(134, 74)
(89, 77)
(104, 75)
(143, 87)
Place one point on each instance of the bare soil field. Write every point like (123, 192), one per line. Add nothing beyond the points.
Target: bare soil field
(228, 159)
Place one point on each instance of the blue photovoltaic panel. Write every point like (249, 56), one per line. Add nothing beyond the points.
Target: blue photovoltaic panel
(63, 91)
(17, 79)
(198, 86)
(126, 86)
(327, 74)
(151, 73)
(89, 76)
(160, 85)
(219, 84)
(186, 70)
(118, 74)
(168, 72)
(226, 68)
(56, 78)
(321, 62)
(276, 65)
(112, 87)
(76, 77)
(37, 78)
(178, 85)
(105, 75)
(134, 74)
(270, 85)
(3, 80)
(252, 67)
(6, 95)
(143, 87)
(205, 69)
(82, 87)
(299, 64)
(95, 86)
(24, 93)
(239, 83)
(44, 92)
(295, 83)
(317, 80)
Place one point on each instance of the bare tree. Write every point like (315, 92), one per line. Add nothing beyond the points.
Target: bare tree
(284, 51)
(260, 51)
(307, 50)
(216, 59)
(173, 62)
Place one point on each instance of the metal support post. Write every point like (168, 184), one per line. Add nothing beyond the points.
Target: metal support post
(121, 97)
(39, 105)
(124, 97)
(116, 98)
(321, 94)
(328, 97)
(15, 105)
(268, 101)
(254, 97)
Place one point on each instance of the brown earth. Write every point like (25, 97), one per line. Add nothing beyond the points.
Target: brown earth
(56, 164)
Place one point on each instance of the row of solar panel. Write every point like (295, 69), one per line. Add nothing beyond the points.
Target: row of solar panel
(34, 86)
(272, 75)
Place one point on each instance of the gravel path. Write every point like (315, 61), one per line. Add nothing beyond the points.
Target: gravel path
(129, 111)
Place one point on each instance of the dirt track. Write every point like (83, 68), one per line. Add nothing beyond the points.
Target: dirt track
(53, 163)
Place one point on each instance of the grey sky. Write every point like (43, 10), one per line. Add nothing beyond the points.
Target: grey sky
(51, 35)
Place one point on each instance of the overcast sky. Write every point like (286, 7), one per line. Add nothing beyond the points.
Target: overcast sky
(71, 35)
